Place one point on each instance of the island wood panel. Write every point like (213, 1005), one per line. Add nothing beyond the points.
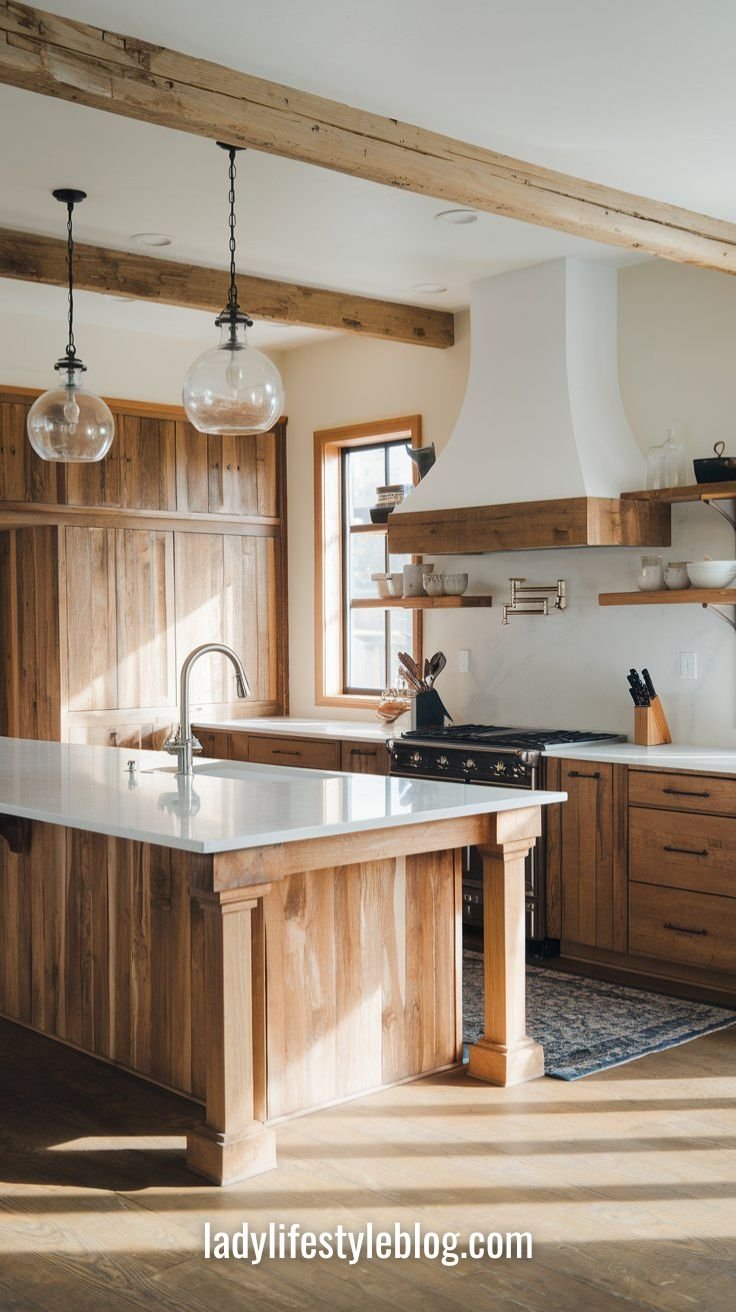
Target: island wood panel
(362, 978)
(91, 618)
(146, 655)
(99, 950)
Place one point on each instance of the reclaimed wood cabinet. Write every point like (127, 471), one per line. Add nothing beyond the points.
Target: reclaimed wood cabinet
(593, 855)
(111, 573)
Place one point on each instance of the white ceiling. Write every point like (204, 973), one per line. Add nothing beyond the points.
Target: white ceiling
(636, 95)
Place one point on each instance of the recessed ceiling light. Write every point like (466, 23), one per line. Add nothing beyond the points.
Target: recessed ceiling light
(151, 239)
(428, 288)
(457, 216)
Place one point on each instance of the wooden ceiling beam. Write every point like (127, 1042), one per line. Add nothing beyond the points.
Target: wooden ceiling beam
(73, 61)
(32, 258)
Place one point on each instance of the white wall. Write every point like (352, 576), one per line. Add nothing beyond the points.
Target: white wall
(677, 329)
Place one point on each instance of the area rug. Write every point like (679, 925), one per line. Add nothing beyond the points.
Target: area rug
(587, 1025)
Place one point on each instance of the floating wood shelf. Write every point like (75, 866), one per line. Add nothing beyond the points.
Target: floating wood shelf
(684, 597)
(369, 528)
(669, 496)
(531, 526)
(419, 603)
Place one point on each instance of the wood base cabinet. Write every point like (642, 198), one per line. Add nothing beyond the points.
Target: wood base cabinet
(648, 888)
(592, 837)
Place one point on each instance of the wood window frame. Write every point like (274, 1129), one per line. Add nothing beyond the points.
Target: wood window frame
(329, 443)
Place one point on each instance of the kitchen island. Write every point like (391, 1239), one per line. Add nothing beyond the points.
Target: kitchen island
(265, 940)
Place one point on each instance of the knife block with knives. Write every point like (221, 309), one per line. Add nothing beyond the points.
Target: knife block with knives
(650, 722)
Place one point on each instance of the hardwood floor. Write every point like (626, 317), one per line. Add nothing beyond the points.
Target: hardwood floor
(626, 1180)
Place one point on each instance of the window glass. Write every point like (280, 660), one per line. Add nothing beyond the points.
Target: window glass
(373, 636)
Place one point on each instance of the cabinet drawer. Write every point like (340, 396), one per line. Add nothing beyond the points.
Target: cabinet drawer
(695, 929)
(682, 850)
(364, 758)
(682, 792)
(294, 751)
(215, 743)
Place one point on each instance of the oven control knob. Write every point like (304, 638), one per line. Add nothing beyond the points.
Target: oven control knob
(442, 762)
(416, 758)
(499, 767)
(469, 764)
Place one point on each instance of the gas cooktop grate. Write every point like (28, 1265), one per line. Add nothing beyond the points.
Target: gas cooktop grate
(491, 734)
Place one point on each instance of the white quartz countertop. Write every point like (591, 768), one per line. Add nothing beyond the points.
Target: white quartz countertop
(669, 756)
(357, 730)
(228, 805)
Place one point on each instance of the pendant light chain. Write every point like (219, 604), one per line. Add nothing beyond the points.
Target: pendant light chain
(71, 349)
(232, 300)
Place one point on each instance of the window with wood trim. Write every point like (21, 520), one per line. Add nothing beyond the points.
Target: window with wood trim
(357, 647)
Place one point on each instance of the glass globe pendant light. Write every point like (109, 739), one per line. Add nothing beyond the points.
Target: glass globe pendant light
(68, 423)
(233, 388)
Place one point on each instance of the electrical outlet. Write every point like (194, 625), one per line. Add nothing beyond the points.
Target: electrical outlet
(688, 665)
(463, 662)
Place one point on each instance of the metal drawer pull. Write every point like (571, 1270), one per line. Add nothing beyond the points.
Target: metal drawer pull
(580, 774)
(686, 851)
(282, 751)
(682, 929)
(684, 792)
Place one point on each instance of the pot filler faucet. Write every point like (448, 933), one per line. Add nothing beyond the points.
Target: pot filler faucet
(181, 744)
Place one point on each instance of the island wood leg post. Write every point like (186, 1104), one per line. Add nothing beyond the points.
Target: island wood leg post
(232, 1144)
(505, 1054)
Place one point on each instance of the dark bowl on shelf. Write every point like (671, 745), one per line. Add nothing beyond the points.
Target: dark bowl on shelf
(380, 514)
(717, 468)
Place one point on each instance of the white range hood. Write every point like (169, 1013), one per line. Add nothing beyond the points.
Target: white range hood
(542, 417)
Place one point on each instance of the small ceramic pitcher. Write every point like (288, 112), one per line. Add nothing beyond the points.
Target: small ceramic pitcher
(651, 574)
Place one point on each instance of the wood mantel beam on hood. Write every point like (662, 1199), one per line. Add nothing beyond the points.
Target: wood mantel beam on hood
(32, 258)
(124, 75)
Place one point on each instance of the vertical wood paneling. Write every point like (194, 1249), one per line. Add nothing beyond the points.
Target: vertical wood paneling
(23, 475)
(146, 652)
(192, 469)
(200, 604)
(147, 463)
(91, 608)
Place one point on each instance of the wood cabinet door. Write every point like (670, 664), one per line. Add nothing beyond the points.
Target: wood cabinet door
(227, 591)
(23, 475)
(592, 840)
(138, 472)
(243, 475)
(191, 469)
(364, 758)
(146, 652)
(91, 618)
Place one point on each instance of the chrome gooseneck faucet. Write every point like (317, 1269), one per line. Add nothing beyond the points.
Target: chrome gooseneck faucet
(181, 744)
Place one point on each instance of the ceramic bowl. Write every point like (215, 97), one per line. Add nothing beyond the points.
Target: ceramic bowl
(455, 584)
(676, 575)
(395, 585)
(381, 582)
(434, 585)
(711, 573)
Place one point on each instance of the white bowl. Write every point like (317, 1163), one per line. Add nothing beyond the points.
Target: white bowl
(455, 584)
(434, 585)
(711, 573)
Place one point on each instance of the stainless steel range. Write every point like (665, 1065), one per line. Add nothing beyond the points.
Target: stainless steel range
(509, 758)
